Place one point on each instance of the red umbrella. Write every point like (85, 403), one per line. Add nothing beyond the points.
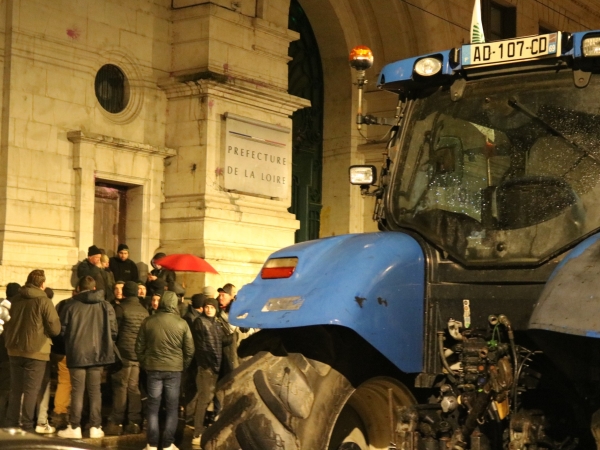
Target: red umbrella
(184, 262)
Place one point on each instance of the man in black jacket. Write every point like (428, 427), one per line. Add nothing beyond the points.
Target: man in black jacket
(123, 268)
(126, 392)
(188, 381)
(159, 273)
(92, 266)
(208, 342)
(90, 329)
(164, 348)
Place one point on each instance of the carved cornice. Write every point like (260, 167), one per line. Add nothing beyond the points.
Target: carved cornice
(78, 136)
(236, 91)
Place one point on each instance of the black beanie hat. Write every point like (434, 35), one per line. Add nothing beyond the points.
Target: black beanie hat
(93, 250)
(211, 301)
(158, 287)
(198, 300)
(130, 289)
(12, 289)
(122, 247)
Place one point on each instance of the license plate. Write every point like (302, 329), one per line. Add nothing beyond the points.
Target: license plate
(530, 47)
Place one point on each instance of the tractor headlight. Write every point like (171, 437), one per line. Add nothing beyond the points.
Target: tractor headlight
(363, 175)
(427, 67)
(591, 46)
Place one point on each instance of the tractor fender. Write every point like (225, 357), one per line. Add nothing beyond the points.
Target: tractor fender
(372, 283)
(569, 302)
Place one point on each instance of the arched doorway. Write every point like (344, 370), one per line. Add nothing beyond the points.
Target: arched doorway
(305, 79)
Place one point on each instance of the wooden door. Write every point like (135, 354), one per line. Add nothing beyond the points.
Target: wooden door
(109, 217)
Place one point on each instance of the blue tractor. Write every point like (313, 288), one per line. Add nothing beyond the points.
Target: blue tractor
(471, 320)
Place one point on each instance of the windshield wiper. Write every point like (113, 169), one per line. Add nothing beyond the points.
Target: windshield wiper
(514, 103)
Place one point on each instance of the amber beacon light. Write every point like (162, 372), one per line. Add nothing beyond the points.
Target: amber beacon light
(361, 59)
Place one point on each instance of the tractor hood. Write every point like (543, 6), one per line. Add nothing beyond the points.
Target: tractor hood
(372, 283)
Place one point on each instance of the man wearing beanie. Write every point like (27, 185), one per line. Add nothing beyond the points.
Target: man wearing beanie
(209, 341)
(122, 267)
(126, 393)
(188, 381)
(91, 266)
(158, 289)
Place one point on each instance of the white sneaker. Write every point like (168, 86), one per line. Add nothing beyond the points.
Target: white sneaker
(45, 428)
(196, 440)
(170, 447)
(147, 447)
(96, 432)
(72, 433)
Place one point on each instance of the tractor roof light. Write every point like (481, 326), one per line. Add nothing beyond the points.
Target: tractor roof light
(591, 46)
(361, 58)
(427, 67)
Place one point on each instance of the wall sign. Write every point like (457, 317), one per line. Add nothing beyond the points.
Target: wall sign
(258, 157)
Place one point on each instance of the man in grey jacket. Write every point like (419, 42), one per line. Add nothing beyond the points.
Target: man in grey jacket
(27, 338)
(164, 348)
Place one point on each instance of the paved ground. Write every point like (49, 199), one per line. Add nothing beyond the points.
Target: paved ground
(183, 440)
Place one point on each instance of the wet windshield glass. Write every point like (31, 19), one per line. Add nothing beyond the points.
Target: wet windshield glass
(509, 174)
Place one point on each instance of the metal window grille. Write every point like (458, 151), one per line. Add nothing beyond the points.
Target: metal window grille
(110, 88)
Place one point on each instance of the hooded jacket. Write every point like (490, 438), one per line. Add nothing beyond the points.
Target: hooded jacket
(33, 322)
(89, 328)
(165, 342)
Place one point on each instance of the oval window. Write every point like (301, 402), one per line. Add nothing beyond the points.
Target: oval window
(112, 88)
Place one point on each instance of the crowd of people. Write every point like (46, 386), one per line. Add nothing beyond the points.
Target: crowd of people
(151, 345)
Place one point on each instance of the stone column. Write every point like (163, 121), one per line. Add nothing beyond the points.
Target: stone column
(227, 66)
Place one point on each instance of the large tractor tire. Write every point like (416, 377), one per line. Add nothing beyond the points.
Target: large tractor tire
(307, 388)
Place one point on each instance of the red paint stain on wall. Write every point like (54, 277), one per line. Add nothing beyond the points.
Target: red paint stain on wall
(73, 34)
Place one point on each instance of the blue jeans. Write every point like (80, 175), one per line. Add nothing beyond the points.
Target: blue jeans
(157, 383)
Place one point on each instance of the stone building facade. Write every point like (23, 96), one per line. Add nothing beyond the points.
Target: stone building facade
(198, 157)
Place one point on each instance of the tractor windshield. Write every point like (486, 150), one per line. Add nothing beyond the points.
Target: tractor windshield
(509, 174)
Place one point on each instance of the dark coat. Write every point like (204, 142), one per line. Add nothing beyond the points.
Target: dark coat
(191, 315)
(208, 341)
(58, 342)
(33, 322)
(166, 275)
(86, 268)
(130, 315)
(165, 342)
(123, 270)
(90, 328)
(230, 358)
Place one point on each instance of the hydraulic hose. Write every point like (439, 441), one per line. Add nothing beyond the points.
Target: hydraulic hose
(440, 336)
(511, 338)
